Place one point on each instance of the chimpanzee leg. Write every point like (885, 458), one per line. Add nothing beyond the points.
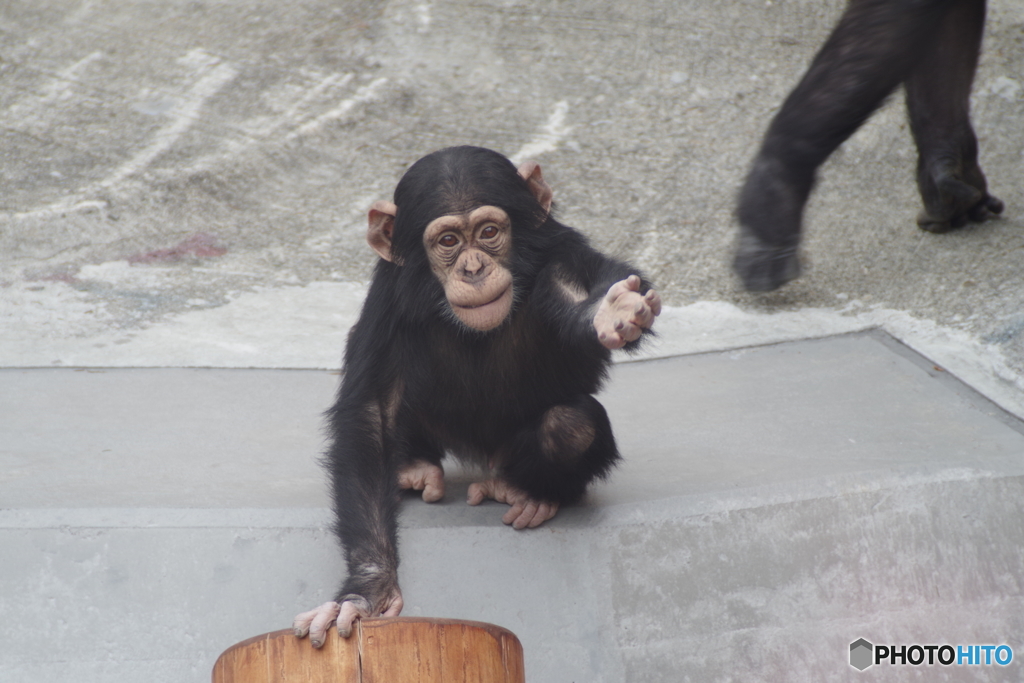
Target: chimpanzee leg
(557, 456)
(873, 49)
(952, 185)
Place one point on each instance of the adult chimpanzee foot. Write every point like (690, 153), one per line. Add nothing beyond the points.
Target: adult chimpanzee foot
(989, 207)
(985, 208)
(950, 202)
(762, 266)
(525, 511)
(423, 476)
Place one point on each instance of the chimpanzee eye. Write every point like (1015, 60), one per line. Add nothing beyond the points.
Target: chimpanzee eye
(448, 240)
(489, 232)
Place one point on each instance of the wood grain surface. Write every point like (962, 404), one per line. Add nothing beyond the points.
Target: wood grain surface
(385, 650)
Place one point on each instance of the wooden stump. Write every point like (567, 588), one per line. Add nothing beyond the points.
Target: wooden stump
(384, 650)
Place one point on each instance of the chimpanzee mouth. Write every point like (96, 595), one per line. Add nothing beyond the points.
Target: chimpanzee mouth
(492, 301)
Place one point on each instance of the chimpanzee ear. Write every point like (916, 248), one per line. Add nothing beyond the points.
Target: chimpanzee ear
(530, 172)
(382, 224)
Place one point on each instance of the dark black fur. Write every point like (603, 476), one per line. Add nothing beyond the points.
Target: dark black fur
(479, 395)
(931, 47)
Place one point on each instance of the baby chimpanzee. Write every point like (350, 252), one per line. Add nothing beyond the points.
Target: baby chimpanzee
(486, 331)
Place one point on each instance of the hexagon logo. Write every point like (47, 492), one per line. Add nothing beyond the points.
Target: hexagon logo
(861, 652)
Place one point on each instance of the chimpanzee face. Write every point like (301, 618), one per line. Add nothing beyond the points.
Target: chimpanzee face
(469, 254)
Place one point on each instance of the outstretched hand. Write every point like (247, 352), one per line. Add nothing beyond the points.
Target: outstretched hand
(525, 511)
(624, 313)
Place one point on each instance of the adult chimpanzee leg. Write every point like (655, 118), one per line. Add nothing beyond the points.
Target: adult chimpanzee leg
(552, 460)
(952, 185)
(874, 47)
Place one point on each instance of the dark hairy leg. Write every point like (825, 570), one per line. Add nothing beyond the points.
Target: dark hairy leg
(550, 462)
(951, 183)
(557, 456)
(874, 47)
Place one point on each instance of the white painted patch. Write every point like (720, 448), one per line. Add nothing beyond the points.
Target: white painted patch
(57, 88)
(422, 10)
(298, 112)
(1007, 88)
(90, 205)
(367, 93)
(183, 113)
(71, 73)
(547, 140)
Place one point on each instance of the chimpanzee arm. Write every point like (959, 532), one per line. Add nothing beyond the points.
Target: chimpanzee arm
(595, 302)
(364, 482)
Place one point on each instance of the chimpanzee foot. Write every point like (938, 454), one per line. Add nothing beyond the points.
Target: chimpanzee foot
(762, 266)
(525, 511)
(423, 476)
(989, 207)
(957, 202)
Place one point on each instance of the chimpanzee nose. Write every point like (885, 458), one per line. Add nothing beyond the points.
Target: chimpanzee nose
(474, 268)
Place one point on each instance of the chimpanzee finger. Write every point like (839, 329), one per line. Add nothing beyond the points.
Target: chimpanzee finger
(545, 511)
(478, 491)
(394, 610)
(611, 340)
(300, 626)
(643, 316)
(493, 489)
(653, 300)
(317, 622)
(630, 284)
(513, 514)
(628, 331)
(433, 485)
(425, 477)
(525, 516)
(347, 618)
(615, 291)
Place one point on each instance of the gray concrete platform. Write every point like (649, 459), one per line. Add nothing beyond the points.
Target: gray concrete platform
(775, 504)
